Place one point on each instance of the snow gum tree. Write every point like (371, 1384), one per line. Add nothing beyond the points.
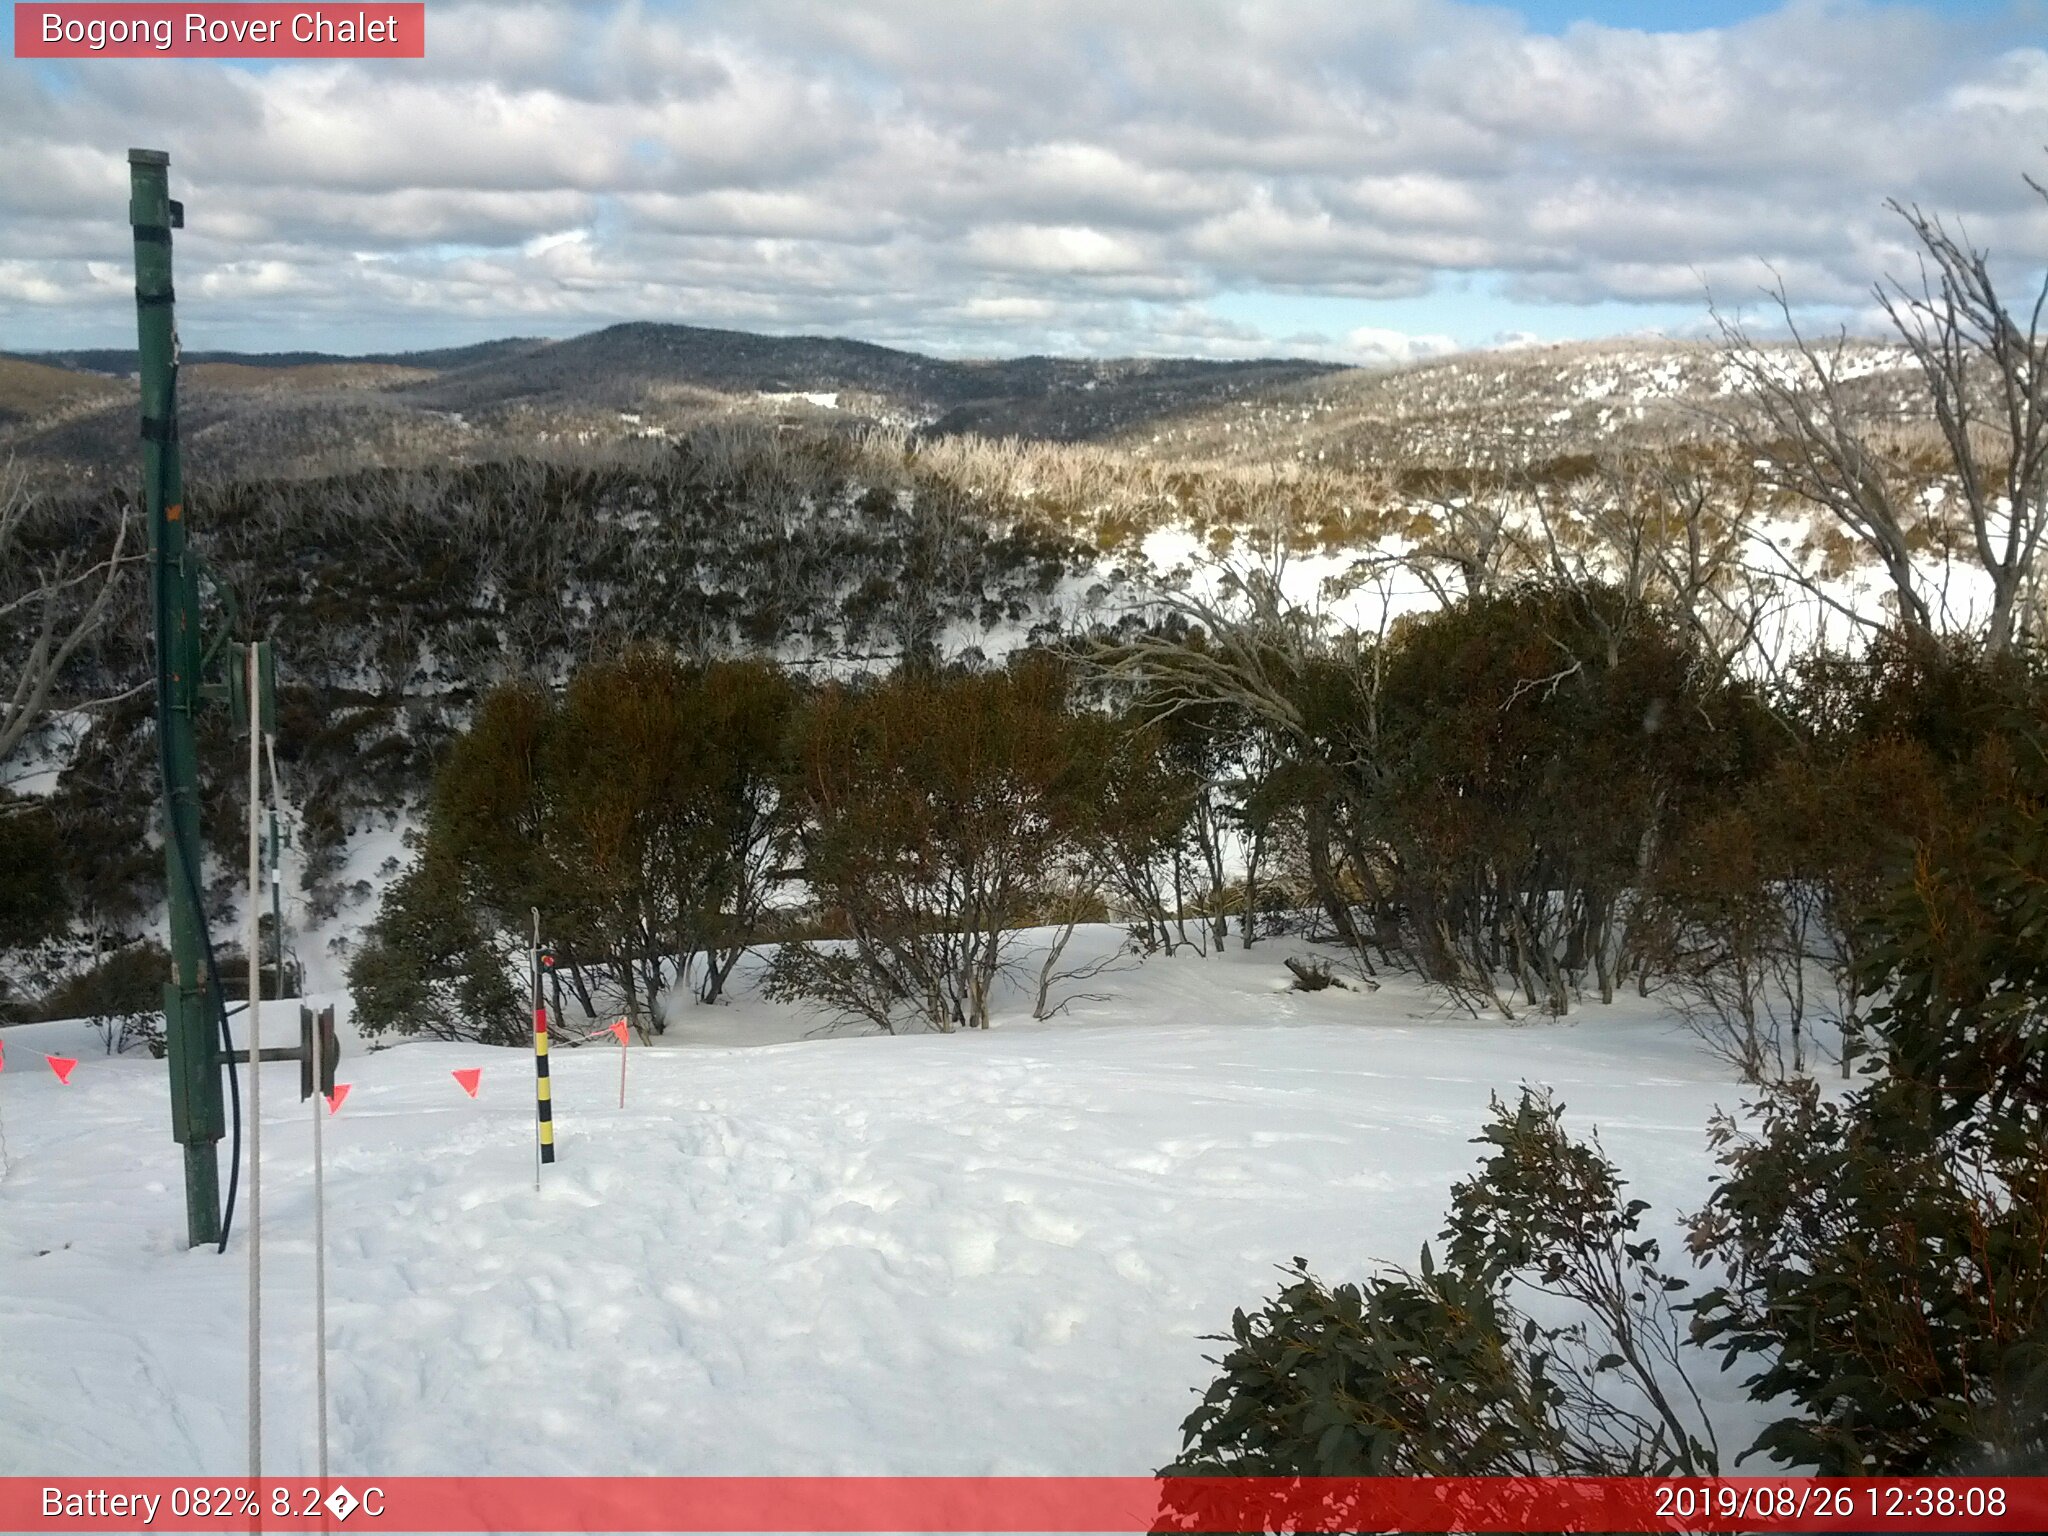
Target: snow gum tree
(1137, 809)
(642, 813)
(936, 813)
(1478, 792)
(1532, 749)
(665, 793)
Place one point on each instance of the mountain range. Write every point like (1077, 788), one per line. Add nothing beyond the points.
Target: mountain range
(295, 413)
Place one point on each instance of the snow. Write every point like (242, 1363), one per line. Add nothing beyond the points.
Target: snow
(40, 762)
(975, 1253)
(368, 858)
(824, 400)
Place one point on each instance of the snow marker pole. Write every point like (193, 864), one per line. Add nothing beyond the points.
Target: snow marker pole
(319, 1261)
(544, 1151)
(314, 1068)
(255, 1063)
(539, 1025)
(542, 1089)
(625, 1030)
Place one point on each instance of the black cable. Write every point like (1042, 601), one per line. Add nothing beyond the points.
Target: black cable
(227, 1041)
(188, 860)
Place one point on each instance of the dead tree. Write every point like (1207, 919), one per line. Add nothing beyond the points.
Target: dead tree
(1982, 366)
(1812, 442)
(59, 605)
(1669, 529)
(1986, 371)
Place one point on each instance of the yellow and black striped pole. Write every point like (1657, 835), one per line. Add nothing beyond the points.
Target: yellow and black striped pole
(545, 1148)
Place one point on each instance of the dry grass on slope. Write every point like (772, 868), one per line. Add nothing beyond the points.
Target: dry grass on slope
(304, 377)
(30, 389)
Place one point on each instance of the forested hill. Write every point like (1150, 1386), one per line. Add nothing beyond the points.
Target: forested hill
(397, 596)
(68, 417)
(299, 412)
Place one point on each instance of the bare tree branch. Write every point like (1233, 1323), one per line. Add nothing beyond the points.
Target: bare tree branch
(1984, 370)
(48, 609)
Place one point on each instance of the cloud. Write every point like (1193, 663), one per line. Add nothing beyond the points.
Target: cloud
(1372, 346)
(1021, 175)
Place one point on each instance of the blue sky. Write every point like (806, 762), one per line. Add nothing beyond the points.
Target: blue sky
(1681, 16)
(1471, 306)
(1336, 178)
(1695, 15)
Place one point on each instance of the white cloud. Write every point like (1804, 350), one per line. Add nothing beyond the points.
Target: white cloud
(1060, 251)
(1018, 176)
(1373, 346)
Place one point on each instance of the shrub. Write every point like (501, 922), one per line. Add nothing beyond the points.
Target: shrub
(937, 814)
(1439, 1372)
(1408, 1375)
(1531, 746)
(1888, 1254)
(33, 902)
(426, 967)
(1759, 911)
(122, 996)
(641, 814)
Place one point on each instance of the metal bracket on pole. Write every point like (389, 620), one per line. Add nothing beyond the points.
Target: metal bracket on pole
(303, 1053)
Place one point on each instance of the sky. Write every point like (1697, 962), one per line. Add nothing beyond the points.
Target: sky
(1362, 181)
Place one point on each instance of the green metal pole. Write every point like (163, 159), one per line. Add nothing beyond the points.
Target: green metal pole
(190, 1027)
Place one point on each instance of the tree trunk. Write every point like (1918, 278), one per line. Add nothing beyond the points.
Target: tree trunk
(1255, 852)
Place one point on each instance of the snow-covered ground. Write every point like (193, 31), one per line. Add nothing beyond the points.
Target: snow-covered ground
(975, 1253)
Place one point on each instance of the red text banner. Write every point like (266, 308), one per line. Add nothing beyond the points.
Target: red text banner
(216, 31)
(1020, 1504)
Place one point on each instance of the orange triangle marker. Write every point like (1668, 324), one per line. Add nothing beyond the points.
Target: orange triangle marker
(469, 1077)
(334, 1099)
(62, 1065)
(618, 1031)
(3, 1056)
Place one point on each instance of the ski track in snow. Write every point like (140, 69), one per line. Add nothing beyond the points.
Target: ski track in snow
(970, 1254)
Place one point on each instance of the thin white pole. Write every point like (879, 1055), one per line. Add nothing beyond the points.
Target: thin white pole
(319, 1156)
(255, 1069)
(319, 1249)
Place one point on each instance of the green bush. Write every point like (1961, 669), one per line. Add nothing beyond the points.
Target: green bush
(1439, 1372)
(1888, 1253)
(427, 968)
(33, 902)
(1405, 1375)
(122, 996)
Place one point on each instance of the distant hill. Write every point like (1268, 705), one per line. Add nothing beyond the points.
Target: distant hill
(627, 366)
(1516, 405)
(255, 415)
(30, 388)
(297, 412)
(121, 362)
(622, 366)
